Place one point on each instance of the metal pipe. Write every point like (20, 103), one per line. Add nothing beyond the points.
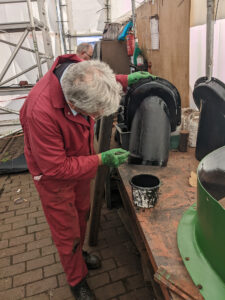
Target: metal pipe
(133, 16)
(12, 1)
(9, 122)
(21, 73)
(84, 34)
(34, 38)
(108, 11)
(210, 38)
(60, 24)
(24, 48)
(12, 111)
(10, 133)
(22, 38)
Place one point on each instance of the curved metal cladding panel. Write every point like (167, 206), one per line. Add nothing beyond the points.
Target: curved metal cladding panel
(160, 88)
(210, 99)
(201, 234)
(150, 133)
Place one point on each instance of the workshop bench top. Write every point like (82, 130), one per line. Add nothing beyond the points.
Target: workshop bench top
(158, 225)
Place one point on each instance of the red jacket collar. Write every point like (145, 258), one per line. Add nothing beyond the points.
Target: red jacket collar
(57, 97)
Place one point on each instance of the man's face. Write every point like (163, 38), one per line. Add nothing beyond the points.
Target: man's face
(87, 55)
(96, 115)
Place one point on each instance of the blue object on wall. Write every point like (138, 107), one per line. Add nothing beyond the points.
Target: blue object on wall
(124, 33)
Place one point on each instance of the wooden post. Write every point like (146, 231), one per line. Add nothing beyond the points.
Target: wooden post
(98, 193)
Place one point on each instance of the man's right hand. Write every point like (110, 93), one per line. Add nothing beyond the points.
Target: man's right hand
(114, 157)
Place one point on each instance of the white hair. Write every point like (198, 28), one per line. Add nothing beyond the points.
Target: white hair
(91, 86)
(83, 47)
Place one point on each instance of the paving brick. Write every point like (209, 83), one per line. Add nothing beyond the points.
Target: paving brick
(126, 259)
(43, 296)
(39, 244)
(6, 227)
(38, 227)
(13, 233)
(129, 296)
(4, 262)
(107, 264)
(26, 256)
(99, 280)
(35, 202)
(41, 220)
(20, 206)
(112, 224)
(53, 270)
(41, 286)
(4, 244)
(48, 250)
(3, 209)
(42, 234)
(140, 294)
(25, 211)
(134, 282)
(61, 293)
(62, 279)
(107, 253)
(57, 259)
(112, 216)
(21, 240)
(36, 214)
(112, 237)
(123, 272)
(6, 215)
(110, 290)
(23, 223)
(27, 277)
(40, 262)
(15, 218)
(12, 270)
(5, 283)
(13, 294)
(12, 251)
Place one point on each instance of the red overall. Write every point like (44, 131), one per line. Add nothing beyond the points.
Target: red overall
(59, 146)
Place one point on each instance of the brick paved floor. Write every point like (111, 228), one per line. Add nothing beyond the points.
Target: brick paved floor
(29, 263)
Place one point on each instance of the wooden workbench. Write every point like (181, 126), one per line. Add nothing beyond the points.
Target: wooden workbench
(154, 230)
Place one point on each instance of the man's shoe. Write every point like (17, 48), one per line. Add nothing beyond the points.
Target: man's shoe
(92, 261)
(81, 291)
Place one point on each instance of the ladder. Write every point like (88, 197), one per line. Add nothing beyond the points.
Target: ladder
(31, 26)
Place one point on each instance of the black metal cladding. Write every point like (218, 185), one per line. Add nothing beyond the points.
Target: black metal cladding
(150, 133)
(211, 173)
(149, 87)
(210, 99)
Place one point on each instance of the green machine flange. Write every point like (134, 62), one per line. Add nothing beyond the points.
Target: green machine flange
(201, 231)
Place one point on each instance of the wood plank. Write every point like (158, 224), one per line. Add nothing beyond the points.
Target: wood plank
(98, 190)
(171, 61)
(158, 225)
(114, 53)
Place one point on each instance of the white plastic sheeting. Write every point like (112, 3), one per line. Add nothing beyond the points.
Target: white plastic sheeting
(198, 53)
(18, 12)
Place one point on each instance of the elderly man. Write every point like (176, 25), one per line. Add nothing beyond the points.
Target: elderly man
(58, 119)
(85, 51)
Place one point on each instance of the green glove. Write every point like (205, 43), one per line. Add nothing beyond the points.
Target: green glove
(136, 76)
(114, 157)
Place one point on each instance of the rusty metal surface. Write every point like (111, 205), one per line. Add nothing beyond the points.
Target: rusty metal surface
(158, 225)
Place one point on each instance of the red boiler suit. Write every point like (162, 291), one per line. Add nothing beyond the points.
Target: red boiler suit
(60, 156)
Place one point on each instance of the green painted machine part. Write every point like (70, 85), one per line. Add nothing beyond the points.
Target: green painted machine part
(201, 231)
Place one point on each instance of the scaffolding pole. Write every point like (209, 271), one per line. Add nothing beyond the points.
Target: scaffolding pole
(34, 38)
(210, 38)
(133, 16)
(61, 26)
(22, 38)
